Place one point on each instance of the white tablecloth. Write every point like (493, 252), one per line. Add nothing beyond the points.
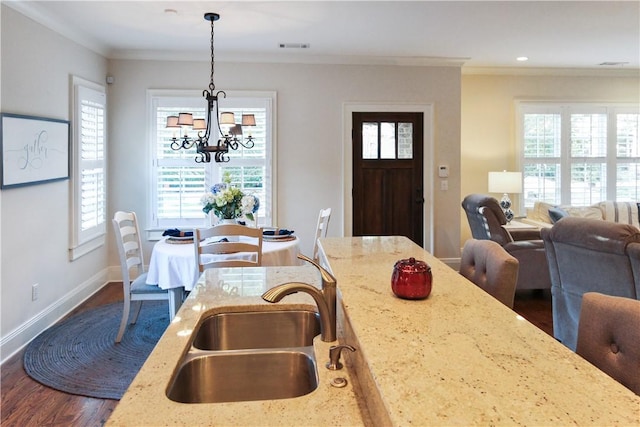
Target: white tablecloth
(174, 265)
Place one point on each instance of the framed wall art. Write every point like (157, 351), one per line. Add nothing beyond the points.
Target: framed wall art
(34, 150)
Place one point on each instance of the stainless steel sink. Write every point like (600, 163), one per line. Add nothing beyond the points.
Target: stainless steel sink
(257, 329)
(244, 376)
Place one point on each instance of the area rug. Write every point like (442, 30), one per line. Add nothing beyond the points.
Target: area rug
(80, 356)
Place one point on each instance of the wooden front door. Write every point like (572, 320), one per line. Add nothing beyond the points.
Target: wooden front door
(388, 196)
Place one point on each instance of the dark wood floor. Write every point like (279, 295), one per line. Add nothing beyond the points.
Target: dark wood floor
(25, 402)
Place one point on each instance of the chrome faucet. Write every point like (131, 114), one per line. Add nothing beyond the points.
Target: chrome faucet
(325, 299)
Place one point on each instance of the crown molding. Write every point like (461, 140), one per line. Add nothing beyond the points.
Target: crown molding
(551, 71)
(30, 10)
(288, 58)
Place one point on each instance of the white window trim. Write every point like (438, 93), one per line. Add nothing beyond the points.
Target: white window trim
(82, 242)
(564, 109)
(154, 232)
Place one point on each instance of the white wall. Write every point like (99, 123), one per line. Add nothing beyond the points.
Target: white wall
(309, 131)
(488, 116)
(35, 67)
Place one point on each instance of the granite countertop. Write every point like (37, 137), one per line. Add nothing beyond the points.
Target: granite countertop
(458, 357)
(145, 402)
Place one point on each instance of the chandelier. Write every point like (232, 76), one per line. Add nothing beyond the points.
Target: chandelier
(231, 138)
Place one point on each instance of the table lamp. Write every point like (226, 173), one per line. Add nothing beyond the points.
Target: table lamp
(505, 182)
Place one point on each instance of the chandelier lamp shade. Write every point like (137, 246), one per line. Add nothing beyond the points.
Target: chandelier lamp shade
(505, 182)
(228, 139)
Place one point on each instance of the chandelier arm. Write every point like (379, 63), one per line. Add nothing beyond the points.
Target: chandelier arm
(185, 143)
(221, 157)
(248, 144)
(232, 143)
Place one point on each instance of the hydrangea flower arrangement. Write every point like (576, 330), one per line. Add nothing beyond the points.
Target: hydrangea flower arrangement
(229, 202)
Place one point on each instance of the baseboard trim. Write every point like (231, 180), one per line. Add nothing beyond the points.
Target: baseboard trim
(15, 340)
(454, 263)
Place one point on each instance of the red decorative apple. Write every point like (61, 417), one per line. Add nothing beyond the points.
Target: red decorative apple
(411, 279)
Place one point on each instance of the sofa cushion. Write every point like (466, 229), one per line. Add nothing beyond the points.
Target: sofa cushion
(593, 212)
(621, 212)
(540, 212)
(556, 214)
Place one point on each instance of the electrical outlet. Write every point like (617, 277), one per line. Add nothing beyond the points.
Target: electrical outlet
(34, 292)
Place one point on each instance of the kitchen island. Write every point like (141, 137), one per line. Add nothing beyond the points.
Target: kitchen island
(458, 357)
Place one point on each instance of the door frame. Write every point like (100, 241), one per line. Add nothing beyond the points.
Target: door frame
(428, 161)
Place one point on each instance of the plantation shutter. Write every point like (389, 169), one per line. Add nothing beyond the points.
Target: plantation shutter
(89, 167)
(179, 180)
(579, 154)
(93, 210)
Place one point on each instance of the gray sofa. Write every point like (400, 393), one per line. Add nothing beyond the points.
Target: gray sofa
(589, 255)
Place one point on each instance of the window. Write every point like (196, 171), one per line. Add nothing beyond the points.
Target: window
(579, 154)
(89, 167)
(178, 182)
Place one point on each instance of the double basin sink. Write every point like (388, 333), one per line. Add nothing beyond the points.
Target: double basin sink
(244, 356)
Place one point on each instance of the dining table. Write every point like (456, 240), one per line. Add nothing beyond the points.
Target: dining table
(173, 263)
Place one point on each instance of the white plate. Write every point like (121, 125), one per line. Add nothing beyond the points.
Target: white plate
(274, 237)
(180, 238)
(278, 237)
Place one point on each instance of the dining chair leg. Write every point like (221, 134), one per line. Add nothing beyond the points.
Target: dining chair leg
(175, 300)
(124, 321)
(136, 312)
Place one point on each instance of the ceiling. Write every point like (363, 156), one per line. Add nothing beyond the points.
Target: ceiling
(556, 34)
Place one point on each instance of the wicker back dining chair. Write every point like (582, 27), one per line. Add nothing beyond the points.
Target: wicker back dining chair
(239, 238)
(134, 287)
(321, 229)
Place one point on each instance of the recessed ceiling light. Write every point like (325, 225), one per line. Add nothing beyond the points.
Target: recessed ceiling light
(294, 45)
(613, 64)
(522, 58)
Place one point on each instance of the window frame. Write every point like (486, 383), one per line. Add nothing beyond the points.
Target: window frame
(212, 170)
(565, 110)
(85, 241)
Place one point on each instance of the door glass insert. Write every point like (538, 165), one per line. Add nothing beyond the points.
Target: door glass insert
(370, 140)
(387, 140)
(405, 140)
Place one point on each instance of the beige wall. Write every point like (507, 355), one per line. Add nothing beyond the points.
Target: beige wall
(488, 140)
(36, 68)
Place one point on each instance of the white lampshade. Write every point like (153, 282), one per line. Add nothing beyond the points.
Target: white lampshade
(248, 120)
(172, 122)
(227, 118)
(185, 119)
(236, 130)
(505, 182)
(199, 124)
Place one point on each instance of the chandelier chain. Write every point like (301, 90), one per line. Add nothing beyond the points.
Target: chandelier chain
(212, 86)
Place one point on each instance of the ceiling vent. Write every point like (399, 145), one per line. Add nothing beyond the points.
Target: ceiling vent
(294, 45)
